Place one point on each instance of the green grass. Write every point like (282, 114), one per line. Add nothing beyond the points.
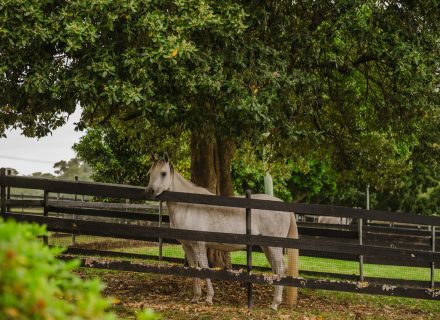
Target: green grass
(306, 263)
(309, 264)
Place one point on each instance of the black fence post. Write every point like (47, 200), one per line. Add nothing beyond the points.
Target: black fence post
(250, 297)
(160, 225)
(432, 263)
(3, 193)
(45, 212)
(8, 191)
(73, 216)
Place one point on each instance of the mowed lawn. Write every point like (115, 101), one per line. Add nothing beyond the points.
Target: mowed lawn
(306, 263)
(310, 264)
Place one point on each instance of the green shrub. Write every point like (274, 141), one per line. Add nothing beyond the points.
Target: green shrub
(34, 284)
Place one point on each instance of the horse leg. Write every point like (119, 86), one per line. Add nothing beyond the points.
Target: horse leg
(202, 259)
(276, 259)
(268, 256)
(190, 255)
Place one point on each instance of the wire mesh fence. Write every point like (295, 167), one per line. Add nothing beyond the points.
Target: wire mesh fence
(310, 266)
(313, 263)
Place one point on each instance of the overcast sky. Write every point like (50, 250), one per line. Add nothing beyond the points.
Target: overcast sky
(28, 155)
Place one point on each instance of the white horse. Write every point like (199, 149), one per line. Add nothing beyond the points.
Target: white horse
(223, 219)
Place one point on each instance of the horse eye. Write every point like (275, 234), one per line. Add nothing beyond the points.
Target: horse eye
(163, 174)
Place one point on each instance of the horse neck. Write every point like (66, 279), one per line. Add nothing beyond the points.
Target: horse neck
(180, 184)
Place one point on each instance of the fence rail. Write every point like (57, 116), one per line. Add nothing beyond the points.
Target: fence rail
(379, 255)
(138, 193)
(372, 243)
(337, 285)
(104, 253)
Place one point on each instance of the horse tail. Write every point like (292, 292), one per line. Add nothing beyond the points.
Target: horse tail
(292, 262)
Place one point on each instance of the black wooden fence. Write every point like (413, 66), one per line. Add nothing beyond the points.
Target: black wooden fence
(366, 244)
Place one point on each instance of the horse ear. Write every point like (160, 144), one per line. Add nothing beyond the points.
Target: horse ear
(166, 157)
(153, 157)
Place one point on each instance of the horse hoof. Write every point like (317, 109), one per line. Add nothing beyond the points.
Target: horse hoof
(209, 301)
(274, 307)
(195, 300)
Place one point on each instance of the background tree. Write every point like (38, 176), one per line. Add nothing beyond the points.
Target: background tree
(12, 171)
(40, 174)
(72, 168)
(117, 158)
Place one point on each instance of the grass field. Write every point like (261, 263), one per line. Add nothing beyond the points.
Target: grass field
(310, 264)
(306, 263)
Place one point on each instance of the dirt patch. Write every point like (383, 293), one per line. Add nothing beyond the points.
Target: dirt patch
(171, 296)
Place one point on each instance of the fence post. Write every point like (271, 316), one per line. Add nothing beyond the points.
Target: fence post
(250, 297)
(160, 225)
(3, 193)
(361, 257)
(45, 213)
(432, 262)
(73, 217)
(8, 192)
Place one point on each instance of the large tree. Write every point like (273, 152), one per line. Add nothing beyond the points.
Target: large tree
(346, 80)
(351, 78)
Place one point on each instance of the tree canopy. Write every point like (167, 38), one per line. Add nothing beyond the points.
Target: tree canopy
(352, 82)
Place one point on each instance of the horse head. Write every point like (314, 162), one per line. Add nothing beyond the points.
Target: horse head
(161, 176)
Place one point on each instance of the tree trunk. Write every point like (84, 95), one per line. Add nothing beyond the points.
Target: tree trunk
(211, 168)
(225, 152)
(203, 171)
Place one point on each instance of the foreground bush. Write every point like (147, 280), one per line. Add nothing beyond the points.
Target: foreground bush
(36, 285)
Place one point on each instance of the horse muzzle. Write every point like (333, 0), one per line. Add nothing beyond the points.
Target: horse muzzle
(149, 193)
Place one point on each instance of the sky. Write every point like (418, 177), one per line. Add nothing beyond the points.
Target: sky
(28, 155)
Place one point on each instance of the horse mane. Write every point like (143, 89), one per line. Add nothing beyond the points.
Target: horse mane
(193, 187)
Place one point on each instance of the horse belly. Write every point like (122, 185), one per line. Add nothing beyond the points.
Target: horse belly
(225, 246)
